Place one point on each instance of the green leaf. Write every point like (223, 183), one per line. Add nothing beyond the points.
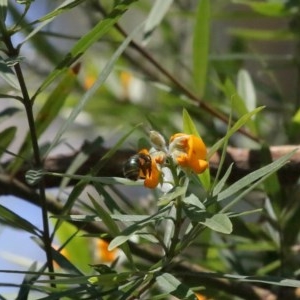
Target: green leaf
(268, 8)
(27, 282)
(238, 104)
(171, 285)
(264, 35)
(190, 128)
(86, 41)
(14, 220)
(252, 177)
(45, 20)
(127, 233)
(75, 247)
(99, 82)
(81, 157)
(108, 280)
(65, 263)
(171, 195)
(8, 75)
(271, 280)
(6, 137)
(48, 113)
(156, 15)
(294, 126)
(219, 222)
(241, 122)
(112, 227)
(252, 180)
(245, 89)
(195, 201)
(3, 11)
(201, 45)
(219, 186)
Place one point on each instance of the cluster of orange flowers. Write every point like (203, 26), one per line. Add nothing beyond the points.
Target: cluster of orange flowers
(186, 150)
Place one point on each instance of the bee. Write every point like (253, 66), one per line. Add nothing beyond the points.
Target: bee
(135, 165)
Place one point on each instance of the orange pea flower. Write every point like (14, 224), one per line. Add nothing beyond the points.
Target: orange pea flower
(201, 297)
(102, 252)
(189, 151)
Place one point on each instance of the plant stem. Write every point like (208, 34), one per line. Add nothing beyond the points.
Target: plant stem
(14, 52)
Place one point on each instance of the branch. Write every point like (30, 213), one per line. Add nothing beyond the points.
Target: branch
(244, 162)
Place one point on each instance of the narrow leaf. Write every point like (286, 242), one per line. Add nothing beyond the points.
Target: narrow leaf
(3, 11)
(28, 281)
(45, 20)
(156, 15)
(219, 186)
(171, 285)
(8, 75)
(87, 41)
(268, 8)
(99, 82)
(12, 219)
(241, 122)
(112, 227)
(245, 89)
(131, 230)
(219, 222)
(254, 176)
(6, 137)
(48, 113)
(238, 103)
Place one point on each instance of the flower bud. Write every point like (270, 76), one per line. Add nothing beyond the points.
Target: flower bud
(157, 140)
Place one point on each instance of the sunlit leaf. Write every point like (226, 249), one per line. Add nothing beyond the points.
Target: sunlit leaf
(110, 279)
(156, 15)
(219, 222)
(245, 89)
(219, 186)
(128, 232)
(171, 285)
(238, 103)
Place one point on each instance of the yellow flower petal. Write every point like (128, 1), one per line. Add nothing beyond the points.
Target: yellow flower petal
(189, 151)
(152, 180)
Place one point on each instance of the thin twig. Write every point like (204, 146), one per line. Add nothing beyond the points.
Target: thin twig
(13, 52)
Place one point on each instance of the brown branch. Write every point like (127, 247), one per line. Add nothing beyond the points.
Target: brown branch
(244, 162)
